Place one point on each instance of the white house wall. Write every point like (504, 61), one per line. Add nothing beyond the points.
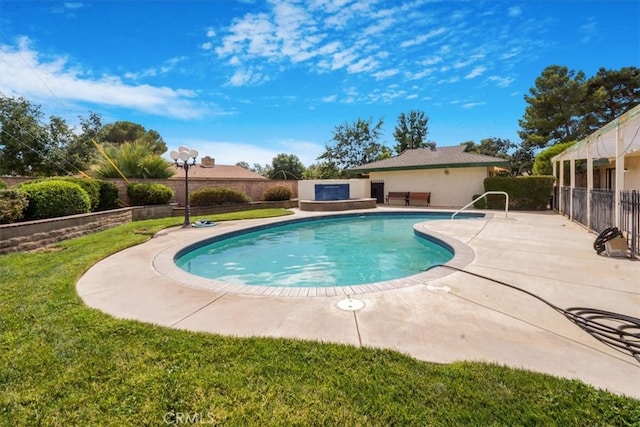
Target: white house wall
(453, 187)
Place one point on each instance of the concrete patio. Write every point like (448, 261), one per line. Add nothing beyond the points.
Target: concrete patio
(440, 316)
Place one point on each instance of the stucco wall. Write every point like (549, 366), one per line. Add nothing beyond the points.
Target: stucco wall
(452, 187)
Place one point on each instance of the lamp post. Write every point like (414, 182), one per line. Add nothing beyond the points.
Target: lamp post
(184, 154)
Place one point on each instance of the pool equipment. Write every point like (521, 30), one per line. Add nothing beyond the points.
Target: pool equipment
(203, 223)
(618, 331)
(612, 242)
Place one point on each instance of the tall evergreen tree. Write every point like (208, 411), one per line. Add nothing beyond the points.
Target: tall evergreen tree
(555, 104)
(411, 131)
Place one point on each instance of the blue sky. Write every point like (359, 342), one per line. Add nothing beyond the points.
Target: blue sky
(245, 80)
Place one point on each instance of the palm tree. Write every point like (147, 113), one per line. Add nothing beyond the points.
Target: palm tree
(132, 160)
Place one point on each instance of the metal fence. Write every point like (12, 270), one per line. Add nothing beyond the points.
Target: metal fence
(630, 218)
(602, 211)
(566, 200)
(579, 205)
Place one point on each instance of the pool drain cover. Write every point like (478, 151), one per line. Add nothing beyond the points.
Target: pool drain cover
(438, 288)
(350, 304)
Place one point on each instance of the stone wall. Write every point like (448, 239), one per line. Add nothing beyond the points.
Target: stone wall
(29, 235)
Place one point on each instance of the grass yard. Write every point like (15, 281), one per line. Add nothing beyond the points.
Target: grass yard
(62, 363)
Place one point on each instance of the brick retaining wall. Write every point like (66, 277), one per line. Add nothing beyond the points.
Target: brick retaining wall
(29, 235)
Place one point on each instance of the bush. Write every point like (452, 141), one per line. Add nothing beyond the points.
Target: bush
(277, 193)
(3, 185)
(479, 204)
(89, 185)
(109, 196)
(211, 196)
(54, 198)
(527, 193)
(12, 205)
(143, 194)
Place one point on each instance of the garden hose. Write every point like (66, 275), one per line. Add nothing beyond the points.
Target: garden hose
(618, 331)
(606, 235)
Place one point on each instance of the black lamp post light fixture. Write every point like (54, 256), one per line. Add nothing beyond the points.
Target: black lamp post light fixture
(181, 157)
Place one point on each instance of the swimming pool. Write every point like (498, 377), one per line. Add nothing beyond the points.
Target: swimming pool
(340, 250)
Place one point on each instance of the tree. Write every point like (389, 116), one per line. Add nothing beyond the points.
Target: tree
(542, 163)
(355, 144)
(522, 160)
(609, 94)
(495, 147)
(286, 166)
(322, 170)
(244, 164)
(133, 160)
(555, 106)
(24, 142)
(411, 131)
(122, 131)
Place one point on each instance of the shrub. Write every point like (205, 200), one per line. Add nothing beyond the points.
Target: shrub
(12, 205)
(210, 196)
(89, 185)
(479, 204)
(278, 192)
(109, 195)
(54, 198)
(143, 194)
(3, 185)
(529, 193)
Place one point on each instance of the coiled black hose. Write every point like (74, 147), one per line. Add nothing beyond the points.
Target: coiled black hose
(606, 235)
(618, 331)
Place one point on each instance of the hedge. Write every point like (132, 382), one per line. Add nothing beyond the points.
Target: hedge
(143, 194)
(52, 199)
(277, 193)
(527, 193)
(211, 196)
(12, 205)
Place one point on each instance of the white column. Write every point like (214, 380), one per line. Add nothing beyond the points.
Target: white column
(619, 170)
(572, 171)
(589, 183)
(561, 184)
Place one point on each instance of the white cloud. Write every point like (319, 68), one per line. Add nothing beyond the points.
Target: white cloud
(26, 73)
(502, 81)
(232, 152)
(386, 73)
(469, 105)
(330, 98)
(423, 38)
(477, 71)
(514, 11)
(207, 46)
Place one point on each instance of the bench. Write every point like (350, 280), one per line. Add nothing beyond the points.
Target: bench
(419, 197)
(397, 195)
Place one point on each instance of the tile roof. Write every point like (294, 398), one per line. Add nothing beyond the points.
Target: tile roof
(217, 172)
(426, 158)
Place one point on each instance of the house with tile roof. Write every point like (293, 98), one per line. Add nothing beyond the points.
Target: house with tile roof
(451, 174)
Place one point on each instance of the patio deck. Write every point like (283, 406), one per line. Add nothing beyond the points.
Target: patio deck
(478, 320)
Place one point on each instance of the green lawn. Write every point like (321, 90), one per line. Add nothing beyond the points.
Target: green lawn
(64, 364)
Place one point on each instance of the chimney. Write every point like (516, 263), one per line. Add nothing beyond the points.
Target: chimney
(208, 162)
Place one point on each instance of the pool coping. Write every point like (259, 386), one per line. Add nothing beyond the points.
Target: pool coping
(164, 264)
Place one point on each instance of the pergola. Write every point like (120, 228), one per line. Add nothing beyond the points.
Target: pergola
(612, 144)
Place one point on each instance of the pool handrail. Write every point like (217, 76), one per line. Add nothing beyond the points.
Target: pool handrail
(506, 203)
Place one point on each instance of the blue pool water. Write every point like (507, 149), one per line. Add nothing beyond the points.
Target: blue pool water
(332, 251)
